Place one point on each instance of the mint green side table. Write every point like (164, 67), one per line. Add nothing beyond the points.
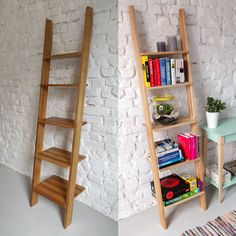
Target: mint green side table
(224, 133)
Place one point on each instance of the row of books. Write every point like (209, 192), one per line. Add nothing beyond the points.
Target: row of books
(189, 144)
(168, 153)
(162, 71)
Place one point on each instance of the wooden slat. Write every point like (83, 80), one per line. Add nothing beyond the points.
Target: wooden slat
(179, 164)
(55, 188)
(60, 85)
(42, 109)
(182, 121)
(163, 53)
(82, 78)
(173, 86)
(148, 125)
(186, 200)
(64, 55)
(61, 122)
(58, 156)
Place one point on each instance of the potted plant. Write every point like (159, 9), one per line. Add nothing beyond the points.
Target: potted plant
(165, 114)
(213, 109)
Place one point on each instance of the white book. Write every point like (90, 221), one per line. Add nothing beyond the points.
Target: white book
(182, 77)
(172, 68)
(177, 70)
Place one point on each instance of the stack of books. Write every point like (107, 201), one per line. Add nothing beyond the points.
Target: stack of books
(212, 173)
(179, 188)
(162, 71)
(189, 144)
(168, 153)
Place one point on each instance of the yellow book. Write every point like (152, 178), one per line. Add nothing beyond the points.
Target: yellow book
(145, 70)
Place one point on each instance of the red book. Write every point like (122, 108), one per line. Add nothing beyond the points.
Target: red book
(150, 66)
(155, 68)
(193, 141)
(158, 73)
(184, 143)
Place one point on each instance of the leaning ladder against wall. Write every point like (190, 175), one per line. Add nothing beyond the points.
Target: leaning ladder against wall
(150, 128)
(57, 189)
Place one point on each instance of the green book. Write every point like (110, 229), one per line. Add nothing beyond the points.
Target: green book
(182, 197)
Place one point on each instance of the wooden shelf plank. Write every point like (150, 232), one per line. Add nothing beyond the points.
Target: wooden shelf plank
(57, 156)
(173, 86)
(64, 55)
(185, 200)
(60, 85)
(163, 53)
(61, 122)
(182, 121)
(55, 188)
(179, 164)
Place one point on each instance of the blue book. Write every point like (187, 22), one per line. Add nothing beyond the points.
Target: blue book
(169, 163)
(178, 158)
(168, 73)
(169, 155)
(163, 71)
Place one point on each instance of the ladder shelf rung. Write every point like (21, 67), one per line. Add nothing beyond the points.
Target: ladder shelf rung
(60, 85)
(57, 156)
(172, 86)
(182, 121)
(163, 53)
(61, 122)
(64, 55)
(185, 200)
(55, 188)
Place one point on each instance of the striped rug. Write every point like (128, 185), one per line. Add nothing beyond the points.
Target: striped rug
(221, 226)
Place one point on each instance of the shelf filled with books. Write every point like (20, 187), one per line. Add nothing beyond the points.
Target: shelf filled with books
(163, 71)
(178, 189)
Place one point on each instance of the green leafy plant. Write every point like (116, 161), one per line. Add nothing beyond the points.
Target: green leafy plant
(214, 105)
(164, 109)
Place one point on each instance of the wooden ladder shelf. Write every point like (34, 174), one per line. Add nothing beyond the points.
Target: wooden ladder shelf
(57, 189)
(150, 128)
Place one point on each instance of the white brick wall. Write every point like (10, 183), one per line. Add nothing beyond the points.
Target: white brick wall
(22, 33)
(212, 37)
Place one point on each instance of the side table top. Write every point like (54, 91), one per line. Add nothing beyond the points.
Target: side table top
(226, 128)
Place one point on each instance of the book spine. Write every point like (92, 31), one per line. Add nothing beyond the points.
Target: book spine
(168, 156)
(158, 73)
(182, 77)
(169, 163)
(155, 65)
(150, 66)
(177, 70)
(169, 160)
(168, 75)
(163, 71)
(172, 68)
(193, 145)
(145, 74)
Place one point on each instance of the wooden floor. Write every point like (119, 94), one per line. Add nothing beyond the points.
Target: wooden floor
(18, 218)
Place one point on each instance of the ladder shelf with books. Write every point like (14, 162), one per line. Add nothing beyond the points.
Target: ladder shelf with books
(190, 120)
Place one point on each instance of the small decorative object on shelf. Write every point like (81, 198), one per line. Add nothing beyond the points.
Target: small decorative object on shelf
(161, 46)
(172, 43)
(213, 109)
(164, 113)
(176, 188)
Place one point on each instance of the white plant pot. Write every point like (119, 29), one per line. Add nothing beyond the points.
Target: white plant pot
(212, 119)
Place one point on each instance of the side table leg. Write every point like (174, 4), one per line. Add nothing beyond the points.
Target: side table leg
(220, 148)
(204, 151)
